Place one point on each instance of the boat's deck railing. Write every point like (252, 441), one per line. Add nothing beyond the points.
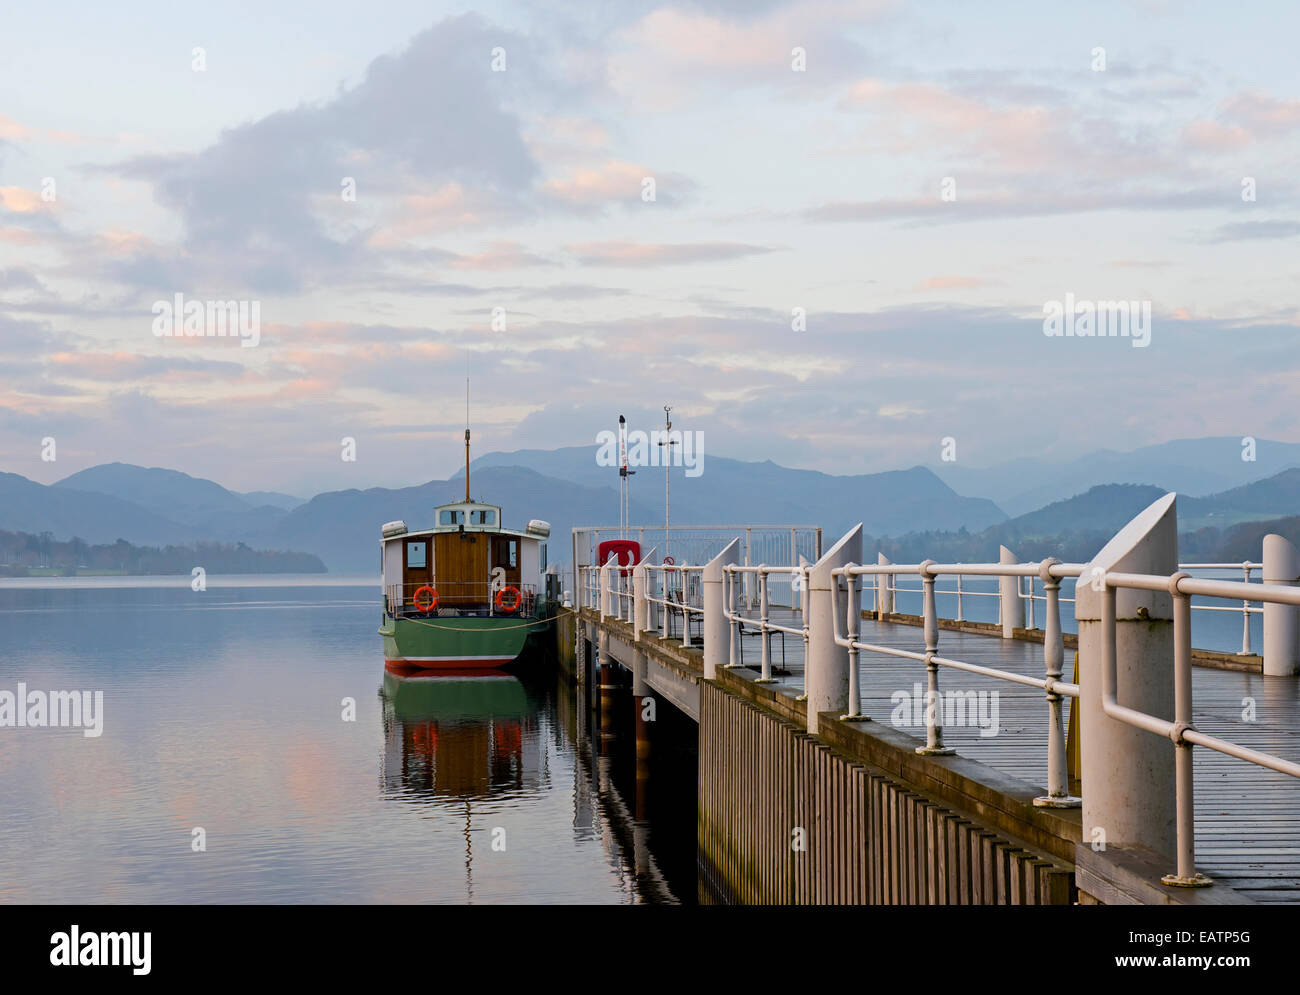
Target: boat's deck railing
(460, 599)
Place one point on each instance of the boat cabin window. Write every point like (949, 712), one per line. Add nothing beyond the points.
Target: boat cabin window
(482, 517)
(543, 558)
(451, 517)
(507, 554)
(416, 553)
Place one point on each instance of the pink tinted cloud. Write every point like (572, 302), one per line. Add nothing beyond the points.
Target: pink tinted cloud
(504, 255)
(625, 253)
(610, 181)
(22, 201)
(1211, 136)
(951, 283)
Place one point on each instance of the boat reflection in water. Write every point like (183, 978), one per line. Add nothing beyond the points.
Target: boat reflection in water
(460, 735)
(487, 753)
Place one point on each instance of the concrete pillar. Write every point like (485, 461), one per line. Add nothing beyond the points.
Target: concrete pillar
(1281, 622)
(1013, 606)
(640, 694)
(826, 670)
(1128, 774)
(640, 606)
(885, 593)
(717, 636)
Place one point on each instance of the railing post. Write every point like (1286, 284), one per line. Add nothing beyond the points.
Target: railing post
(663, 607)
(764, 605)
(717, 643)
(1128, 774)
(852, 620)
(733, 628)
(803, 591)
(1185, 831)
(1058, 775)
(826, 666)
(884, 590)
(1013, 607)
(1281, 622)
(606, 600)
(1245, 612)
(933, 703)
(640, 606)
(961, 614)
(749, 588)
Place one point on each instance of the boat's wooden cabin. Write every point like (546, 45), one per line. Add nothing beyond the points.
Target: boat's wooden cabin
(469, 562)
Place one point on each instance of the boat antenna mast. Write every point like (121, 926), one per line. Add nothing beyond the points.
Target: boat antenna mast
(467, 434)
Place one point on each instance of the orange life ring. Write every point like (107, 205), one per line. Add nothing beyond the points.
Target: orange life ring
(514, 603)
(430, 604)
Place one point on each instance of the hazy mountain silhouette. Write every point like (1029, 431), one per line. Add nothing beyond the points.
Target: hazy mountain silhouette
(1188, 466)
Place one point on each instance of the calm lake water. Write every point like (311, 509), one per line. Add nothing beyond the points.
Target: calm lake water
(223, 710)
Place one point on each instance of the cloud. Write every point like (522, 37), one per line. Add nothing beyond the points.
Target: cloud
(431, 116)
(1251, 230)
(615, 182)
(951, 283)
(624, 253)
(504, 255)
(982, 206)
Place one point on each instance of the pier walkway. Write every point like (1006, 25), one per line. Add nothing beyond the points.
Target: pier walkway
(1247, 817)
(997, 752)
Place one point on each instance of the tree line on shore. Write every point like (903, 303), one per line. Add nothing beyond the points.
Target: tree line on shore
(23, 554)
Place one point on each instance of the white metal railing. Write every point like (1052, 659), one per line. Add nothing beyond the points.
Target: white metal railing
(1050, 570)
(1182, 586)
(734, 577)
(881, 584)
(700, 543)
(1246, 610)
(1027, 591)
(679, 591)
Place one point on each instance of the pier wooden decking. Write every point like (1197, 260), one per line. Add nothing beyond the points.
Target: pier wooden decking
(1247, 818)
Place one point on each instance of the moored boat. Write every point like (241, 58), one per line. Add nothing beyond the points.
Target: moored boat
(467, 593)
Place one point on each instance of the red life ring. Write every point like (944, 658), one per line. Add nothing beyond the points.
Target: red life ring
(428, 604)
(514, 601)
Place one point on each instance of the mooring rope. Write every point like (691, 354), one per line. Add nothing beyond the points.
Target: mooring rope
(459, 628)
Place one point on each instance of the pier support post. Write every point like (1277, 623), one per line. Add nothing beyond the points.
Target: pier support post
(608, 692)
(1013, 608)
(884, 590)
(717, 642)
(826, 669)
(1129, 774)
(1281, 622)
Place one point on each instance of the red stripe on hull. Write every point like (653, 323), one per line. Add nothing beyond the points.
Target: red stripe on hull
(454, 666)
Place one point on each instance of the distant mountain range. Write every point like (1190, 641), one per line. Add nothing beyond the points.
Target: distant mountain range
(567, 488)
(731, 490)
(1188, 466)
(1221, 528)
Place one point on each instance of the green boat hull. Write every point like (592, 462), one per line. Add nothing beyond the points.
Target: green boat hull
(459, 643)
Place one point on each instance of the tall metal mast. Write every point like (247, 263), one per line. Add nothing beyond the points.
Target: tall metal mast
(667, 445)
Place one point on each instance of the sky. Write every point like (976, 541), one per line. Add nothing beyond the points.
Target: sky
(860, 214)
